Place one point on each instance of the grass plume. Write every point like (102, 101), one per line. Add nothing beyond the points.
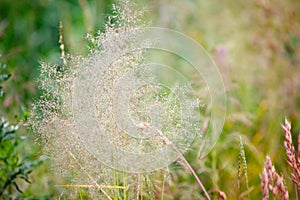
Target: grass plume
(271, 180)
(290, 152)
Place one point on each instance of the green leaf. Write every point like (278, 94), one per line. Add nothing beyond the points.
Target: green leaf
(17, 187)
(25, 178)
(4, 77)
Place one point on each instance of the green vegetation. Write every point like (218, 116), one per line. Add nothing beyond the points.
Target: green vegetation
(256, 46)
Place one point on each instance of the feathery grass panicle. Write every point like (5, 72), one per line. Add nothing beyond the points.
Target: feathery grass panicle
(114, 53)
(290, 152)
(52, 116)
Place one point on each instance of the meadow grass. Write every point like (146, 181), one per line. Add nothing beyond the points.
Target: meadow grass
(256, 46)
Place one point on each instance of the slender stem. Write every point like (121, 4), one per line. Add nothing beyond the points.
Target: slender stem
(192, 171)
(141, 188)
(144, 125)
(163, 187)
(168, 142)
(125, 185)
(91, 178)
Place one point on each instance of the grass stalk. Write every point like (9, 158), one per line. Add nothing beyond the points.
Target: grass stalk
(125, 189)
(163, 186)
(242, 157)
(187, 164)
(90, 177)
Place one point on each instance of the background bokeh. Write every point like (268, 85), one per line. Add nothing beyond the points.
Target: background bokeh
(256, 45)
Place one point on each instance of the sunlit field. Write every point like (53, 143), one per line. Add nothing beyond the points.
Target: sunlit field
(93, 109)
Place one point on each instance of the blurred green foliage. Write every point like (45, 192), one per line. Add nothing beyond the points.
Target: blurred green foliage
(29, 32)
(14, 165)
